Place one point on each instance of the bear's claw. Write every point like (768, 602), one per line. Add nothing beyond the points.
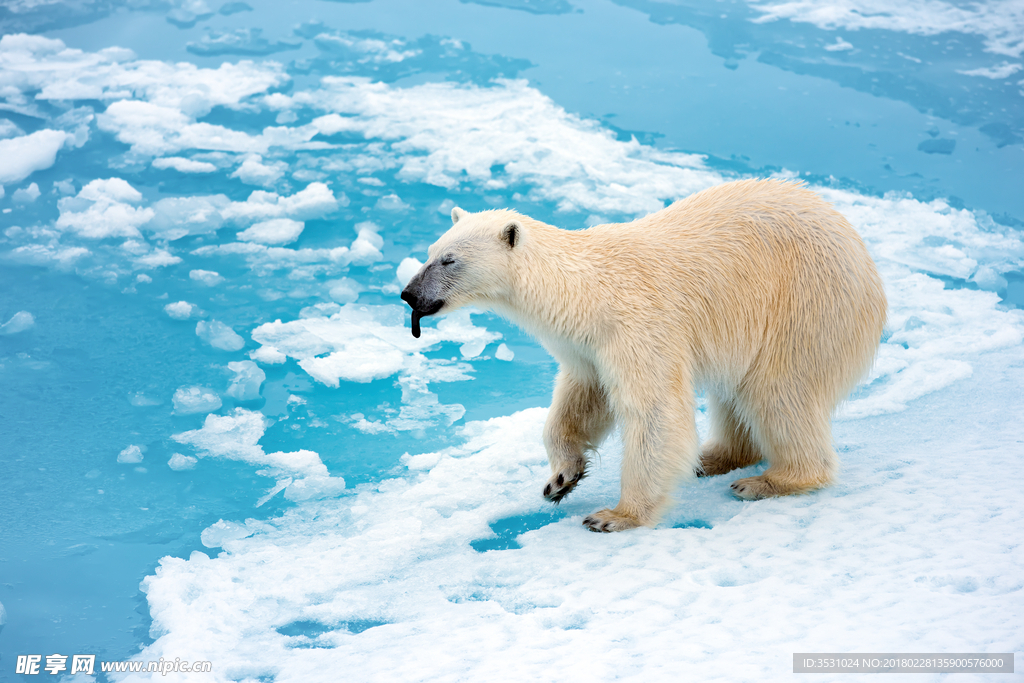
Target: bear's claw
(607, 521)
(558, 487)
(753, 488)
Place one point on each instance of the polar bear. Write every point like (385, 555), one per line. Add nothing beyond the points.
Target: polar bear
(757, 292)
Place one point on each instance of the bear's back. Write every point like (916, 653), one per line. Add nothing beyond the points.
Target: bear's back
(742, 269)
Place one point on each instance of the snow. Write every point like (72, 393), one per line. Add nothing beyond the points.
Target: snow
(191, 400)
(218, 335)
(882, 548)
(19, 322)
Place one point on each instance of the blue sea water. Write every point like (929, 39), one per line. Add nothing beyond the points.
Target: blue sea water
(924, 112)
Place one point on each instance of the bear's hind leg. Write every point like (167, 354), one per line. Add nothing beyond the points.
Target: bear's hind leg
(577, 423)
(730, 445)
(797, 442)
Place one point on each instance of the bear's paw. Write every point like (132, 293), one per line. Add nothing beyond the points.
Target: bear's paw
(561, 483)
(606, 521)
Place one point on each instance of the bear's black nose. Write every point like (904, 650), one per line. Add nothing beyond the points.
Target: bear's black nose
(409, 298)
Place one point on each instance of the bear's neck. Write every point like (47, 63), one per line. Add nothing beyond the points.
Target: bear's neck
(558, 290)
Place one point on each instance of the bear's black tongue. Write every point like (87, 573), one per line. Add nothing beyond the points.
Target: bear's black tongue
(416, 315)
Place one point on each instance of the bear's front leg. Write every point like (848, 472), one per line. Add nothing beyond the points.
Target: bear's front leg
(659, 447)
(578, 422)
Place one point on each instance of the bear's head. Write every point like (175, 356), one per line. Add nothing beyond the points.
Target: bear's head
(472, 263)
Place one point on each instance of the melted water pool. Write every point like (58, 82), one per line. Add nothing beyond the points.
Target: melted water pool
(209, 387)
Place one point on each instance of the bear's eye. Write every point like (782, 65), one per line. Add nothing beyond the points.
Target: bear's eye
(447, 260)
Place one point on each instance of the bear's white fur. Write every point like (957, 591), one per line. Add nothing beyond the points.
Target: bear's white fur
(756, 291)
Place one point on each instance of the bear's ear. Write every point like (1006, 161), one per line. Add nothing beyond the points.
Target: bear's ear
(458, 213)
(512, 233)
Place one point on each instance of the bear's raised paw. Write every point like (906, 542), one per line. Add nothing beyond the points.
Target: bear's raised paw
(560, 484)
(606, 521)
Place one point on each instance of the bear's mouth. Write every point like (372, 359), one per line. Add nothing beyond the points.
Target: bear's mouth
(417, 314)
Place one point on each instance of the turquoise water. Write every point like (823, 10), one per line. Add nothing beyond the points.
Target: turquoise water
(884, 111)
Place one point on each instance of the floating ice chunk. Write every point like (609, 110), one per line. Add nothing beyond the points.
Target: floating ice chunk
(191, 400)
(421, 408)
(219, 533)
(245, 385)
(156, 130)
(158, 258)
(180, 463)
(26, 195)
(184, 165)
(344, 291)
(181, 310)
(504, 353)
(314, 488)
(104, 208)
(320, 310)
(267, 355)
(22, 156)
(19, 322)
(253, 171)
(206, 277)
(236, 437)
(9, 129)
(233, 436)
(219, 336)
(176, 217)
(999, 72)
(274, 231)
(392, 202)
(130, 455)
(407, 269)
(458, 327)
(315, 201)
(366, 249)
(839, 46)
(472, 349)
(63, 258)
